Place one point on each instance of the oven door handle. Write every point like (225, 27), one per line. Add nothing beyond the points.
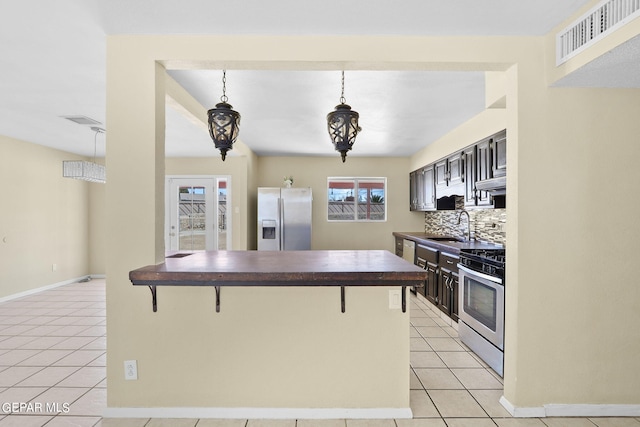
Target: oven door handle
(484, 276)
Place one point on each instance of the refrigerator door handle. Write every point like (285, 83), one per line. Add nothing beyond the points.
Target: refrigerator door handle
(281, 218)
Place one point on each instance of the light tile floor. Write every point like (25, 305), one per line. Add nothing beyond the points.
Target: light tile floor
(53, 351)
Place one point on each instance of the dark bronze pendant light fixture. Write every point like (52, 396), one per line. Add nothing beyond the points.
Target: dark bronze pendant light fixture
(224, 122)
(343, 125)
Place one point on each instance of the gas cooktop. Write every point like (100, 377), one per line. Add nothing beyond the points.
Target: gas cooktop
(488, 261)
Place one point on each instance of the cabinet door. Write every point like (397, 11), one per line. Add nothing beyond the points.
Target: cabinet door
(448, 264)
(469, 164)
(499, 154)
(454, 296)
(431, 284)
(483, 170)
(420, 189)
(456, 170)
(441, 174)
(429, 197)
(444, 292)
(413, 191)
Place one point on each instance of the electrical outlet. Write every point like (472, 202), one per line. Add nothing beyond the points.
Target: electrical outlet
(130, 370)
(54, 267)
(394, 299)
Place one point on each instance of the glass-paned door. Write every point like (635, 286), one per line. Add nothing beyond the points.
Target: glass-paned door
(223, 225)
(196, 214)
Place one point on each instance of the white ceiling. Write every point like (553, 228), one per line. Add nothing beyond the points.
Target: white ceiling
(52, 64)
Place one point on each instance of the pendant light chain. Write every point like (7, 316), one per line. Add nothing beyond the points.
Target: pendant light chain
(224, 98)
(342, 98)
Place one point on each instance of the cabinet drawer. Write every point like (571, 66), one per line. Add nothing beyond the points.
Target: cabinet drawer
(449, 261)
(427, 254)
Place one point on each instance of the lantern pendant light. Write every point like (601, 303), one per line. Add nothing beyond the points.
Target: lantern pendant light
(224, 122)
(343, 126)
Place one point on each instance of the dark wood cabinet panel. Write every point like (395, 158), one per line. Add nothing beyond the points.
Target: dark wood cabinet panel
(469, 164)
(431, 283)
(483, 170)
(427, 259)
(499, 154)
(413, 191)
(441, 174)
(449, 176)
(455, 288)
(454, 163)
(429, 188)
(448, 284)
(422, 189)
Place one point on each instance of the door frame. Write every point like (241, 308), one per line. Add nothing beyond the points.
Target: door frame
(214, 179)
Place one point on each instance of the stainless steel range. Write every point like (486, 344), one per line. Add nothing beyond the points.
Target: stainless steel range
(481, 304)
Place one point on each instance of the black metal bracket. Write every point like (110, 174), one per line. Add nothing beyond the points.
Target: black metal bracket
(154, 297)
(404, 299)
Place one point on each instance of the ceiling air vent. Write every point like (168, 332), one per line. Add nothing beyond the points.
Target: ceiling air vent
(84, 120)
(603, 19)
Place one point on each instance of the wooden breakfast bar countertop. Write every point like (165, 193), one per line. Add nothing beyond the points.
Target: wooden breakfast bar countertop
(280, 268)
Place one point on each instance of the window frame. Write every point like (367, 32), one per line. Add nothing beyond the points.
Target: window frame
(356, 188)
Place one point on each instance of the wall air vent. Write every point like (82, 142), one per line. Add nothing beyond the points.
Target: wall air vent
(84, 120)
(603, 19)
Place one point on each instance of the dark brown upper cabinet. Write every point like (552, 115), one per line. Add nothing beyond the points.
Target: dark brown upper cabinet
(469, 163)
(499, 154)
(458, 173)
(422, 189)
(483, 170)
(449, 176)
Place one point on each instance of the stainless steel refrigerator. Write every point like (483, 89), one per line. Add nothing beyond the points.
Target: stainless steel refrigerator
(284, 219)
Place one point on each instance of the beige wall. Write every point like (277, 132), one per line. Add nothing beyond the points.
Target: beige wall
(97, 229)
(481, 126)
(313, 172)
(575, 303)
(44, 219)
(570, 289)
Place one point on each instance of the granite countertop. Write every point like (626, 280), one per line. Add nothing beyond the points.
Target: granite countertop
(281, 268)
(426, 239)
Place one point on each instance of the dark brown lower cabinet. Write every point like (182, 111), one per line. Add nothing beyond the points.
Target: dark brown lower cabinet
(441, 285)
(448, 284)
(431, 284)
(427, 258)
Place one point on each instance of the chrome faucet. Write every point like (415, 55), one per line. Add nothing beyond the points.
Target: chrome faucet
(468, 223)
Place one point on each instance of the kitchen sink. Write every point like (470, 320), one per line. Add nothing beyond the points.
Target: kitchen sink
(446, 239)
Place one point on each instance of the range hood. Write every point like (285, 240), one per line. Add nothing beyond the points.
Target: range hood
(495, 186)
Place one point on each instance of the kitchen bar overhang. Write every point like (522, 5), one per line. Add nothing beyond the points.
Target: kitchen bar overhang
(329, 268)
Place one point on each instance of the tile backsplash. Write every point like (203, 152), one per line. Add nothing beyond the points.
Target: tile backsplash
(487, 225)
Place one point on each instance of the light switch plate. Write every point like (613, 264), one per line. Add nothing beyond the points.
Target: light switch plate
(395, 299)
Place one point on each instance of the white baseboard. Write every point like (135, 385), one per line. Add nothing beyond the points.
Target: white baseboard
(522, 412)
(42, 288)
(571, 410)
(261, 413)
(583, 410)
